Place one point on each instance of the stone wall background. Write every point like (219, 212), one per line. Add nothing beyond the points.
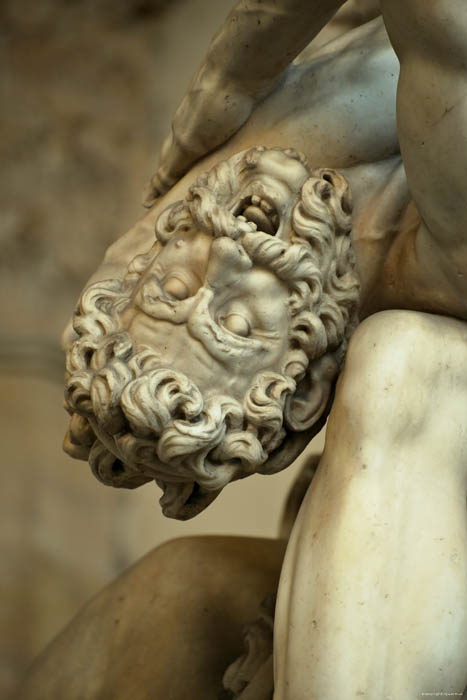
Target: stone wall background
(87, 89)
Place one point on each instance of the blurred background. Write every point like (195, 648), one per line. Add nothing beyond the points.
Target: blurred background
(87, 90)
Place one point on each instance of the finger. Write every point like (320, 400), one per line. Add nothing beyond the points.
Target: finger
(152, 191)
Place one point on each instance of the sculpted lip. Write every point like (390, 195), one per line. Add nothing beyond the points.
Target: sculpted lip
(259, 211)
(267, 202)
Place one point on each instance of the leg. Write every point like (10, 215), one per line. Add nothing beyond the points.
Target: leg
(167, 628)
(372, 594)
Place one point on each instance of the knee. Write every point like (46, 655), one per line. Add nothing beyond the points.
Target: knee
(206, 564)
(392, 371)
(399, 346)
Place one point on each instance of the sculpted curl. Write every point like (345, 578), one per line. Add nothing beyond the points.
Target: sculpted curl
(136, 414)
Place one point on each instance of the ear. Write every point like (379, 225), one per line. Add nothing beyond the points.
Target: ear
(307, 405)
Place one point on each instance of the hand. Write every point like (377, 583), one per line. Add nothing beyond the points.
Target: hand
(167, 174)
(207, 117)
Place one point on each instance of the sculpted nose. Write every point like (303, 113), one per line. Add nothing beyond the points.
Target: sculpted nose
(227, 261)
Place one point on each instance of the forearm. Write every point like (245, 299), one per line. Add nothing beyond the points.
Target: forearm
(244, 62)
(260, 38)
(430, 40)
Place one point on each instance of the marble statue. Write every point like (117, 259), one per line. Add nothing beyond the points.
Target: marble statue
(253, 281)
(216, 355)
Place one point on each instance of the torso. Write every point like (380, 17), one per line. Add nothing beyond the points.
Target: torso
(339, 108)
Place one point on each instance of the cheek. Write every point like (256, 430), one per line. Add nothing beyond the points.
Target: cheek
(270, 358)
(268, 299)
(278, 353)
(278, 317)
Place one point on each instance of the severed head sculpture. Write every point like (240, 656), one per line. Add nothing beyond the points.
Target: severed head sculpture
(216, 356)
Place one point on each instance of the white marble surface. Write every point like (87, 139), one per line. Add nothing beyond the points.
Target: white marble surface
(372, 595)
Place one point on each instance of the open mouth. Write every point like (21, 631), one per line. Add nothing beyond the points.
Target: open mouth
(184, 500)
(259, 212)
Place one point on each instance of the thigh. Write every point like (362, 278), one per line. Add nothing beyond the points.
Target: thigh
(372, 592)
(167, 628)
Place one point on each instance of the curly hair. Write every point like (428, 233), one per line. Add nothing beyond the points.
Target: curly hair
(136, 419)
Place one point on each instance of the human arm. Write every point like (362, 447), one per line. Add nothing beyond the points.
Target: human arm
(258, 40)
(430, 40)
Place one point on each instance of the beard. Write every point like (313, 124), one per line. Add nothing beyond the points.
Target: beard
(136, 419)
